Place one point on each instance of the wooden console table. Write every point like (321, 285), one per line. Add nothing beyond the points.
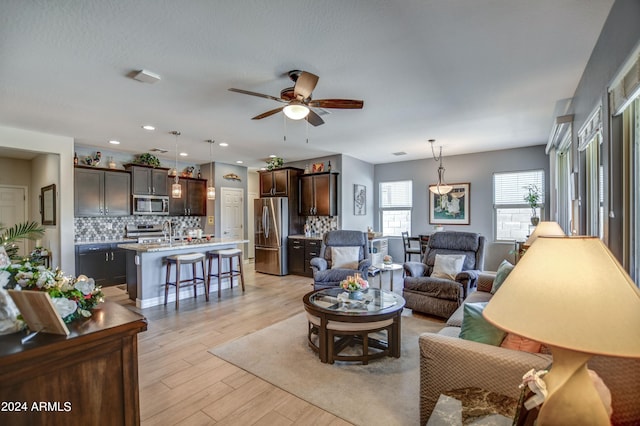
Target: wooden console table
(89, 377)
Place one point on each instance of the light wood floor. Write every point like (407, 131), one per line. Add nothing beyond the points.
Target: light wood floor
(183, 384)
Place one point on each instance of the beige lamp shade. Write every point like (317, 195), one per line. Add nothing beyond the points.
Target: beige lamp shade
(545, 229)
(570, 293)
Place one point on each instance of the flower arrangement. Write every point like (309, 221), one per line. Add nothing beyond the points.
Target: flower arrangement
(387, 259)
(354, 283)
(147, 160)
(72, 297)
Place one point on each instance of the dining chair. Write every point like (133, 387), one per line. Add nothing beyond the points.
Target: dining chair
(408, 249)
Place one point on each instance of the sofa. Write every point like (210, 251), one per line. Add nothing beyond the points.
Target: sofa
(448, 362)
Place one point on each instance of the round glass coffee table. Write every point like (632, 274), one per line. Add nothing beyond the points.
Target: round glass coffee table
(333, 316)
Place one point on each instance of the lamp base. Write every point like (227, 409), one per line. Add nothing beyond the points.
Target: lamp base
(572, 397)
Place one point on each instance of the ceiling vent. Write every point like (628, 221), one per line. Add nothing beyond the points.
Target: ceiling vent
(400, 153)
(146, 77)
(160, 150)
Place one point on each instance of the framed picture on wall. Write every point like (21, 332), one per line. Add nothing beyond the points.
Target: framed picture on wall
(451, 208)
(359, 200)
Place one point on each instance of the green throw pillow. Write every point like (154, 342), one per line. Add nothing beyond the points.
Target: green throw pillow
(476, 328)
(504, 270)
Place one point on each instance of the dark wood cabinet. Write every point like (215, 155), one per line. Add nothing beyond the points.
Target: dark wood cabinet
(101, 192)
(279, 183)
(300, 253)
(194, 198)
(88, 378)
(296, 256)
(319, 194)
(105, 263)
(148, 180)
(311, 250)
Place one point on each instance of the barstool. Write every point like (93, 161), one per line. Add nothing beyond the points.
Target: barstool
(225, 254)
(185, 259)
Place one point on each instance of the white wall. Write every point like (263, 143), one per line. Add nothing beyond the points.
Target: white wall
(63, 147)
(46, 171)
(355, 171)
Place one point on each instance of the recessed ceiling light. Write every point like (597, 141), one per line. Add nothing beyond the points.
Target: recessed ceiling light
(183, 154)
(148, 127)
(224, 144)
(114, 142)
(272, 156)
(239, 162)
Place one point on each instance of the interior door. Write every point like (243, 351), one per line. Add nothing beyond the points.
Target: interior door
(232, 213)
(13, 210)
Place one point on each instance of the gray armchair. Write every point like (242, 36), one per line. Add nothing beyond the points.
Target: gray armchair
(323, 274)
(441, 296)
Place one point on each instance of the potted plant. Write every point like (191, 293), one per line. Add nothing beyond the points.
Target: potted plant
(147, 159)
(20, 231)
(532, 198)
(275, 163)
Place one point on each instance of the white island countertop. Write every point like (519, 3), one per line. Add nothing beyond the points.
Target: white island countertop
(181, 245)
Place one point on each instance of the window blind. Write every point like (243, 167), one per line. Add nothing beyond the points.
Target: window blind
(396, 194)
(626, 88)
(511, 188)
(590, 129)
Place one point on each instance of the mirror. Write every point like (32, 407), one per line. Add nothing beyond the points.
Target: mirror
(48, 204)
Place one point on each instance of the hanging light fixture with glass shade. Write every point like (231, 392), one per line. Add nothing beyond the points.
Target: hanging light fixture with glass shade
(441, 187)
(176, 188)
(211, 189)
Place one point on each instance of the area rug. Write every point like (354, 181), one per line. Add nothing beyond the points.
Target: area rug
(384, 392)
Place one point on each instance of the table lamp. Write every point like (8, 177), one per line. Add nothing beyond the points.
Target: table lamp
(544, 229)
(571, 294)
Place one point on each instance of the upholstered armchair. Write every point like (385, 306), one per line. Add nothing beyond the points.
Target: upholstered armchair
(342, 253)
(441, 296)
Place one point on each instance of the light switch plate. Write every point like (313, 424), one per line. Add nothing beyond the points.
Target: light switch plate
(210, 220)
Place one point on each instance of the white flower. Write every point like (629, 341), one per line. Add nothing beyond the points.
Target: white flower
(85, 286)
(4, 278)
(64, 306)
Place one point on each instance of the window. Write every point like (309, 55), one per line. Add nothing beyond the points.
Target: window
(396, 201)
(513, 214)
(590, 141)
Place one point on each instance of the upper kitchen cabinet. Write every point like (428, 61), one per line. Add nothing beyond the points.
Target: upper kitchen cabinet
(148, 180)
(319, 194)
(280, 182)
(101, 192)
(194, 197)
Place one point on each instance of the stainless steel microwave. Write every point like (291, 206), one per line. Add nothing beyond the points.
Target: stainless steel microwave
(150, 204)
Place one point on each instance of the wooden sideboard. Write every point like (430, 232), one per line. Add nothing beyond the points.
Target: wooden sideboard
(89, 377)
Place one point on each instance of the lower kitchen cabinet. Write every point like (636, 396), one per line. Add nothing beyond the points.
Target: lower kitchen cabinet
(105, 263)
(300, 253)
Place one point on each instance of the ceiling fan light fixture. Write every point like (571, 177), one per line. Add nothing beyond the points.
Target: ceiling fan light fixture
(296, 111)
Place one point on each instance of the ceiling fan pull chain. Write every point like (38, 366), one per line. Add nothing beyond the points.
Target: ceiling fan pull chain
(284, 120)
(307, 127)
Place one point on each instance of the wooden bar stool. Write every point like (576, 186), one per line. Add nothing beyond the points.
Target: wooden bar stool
(186, 259)
(219, 255)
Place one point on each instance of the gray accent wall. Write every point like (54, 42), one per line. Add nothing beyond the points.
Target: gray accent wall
(475, 169)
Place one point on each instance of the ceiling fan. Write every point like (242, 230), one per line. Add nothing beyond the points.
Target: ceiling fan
(298, 99)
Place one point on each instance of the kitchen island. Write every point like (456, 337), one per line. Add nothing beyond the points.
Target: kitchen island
(146, 268)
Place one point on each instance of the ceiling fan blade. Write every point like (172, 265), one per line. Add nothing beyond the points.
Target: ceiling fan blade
(260, 95)
(305, 84)
(314, 119)
(267, 114)
(337, 103)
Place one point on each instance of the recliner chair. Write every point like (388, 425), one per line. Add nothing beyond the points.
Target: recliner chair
(323, 274)
(441, 296)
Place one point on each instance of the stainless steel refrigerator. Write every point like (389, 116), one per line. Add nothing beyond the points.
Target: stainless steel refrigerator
(272, 229)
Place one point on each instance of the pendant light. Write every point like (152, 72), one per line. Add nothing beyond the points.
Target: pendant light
(211, 189)
(441, 187)
(176, 188)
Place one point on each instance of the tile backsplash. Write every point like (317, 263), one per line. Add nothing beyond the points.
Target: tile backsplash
(113, 228)
(321, 224)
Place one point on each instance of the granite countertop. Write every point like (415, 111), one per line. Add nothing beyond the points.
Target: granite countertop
(303, 237)
(110, 241)
(181, 245)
